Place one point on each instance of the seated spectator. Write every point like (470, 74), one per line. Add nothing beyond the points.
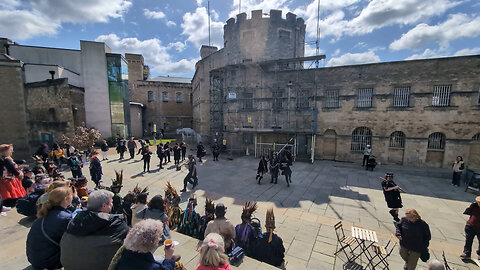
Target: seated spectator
(27, 177)
(212, 254)
(205, 219)
(27, 205)
(139, 246)
(56, 184)
(127, 203)
(140, 204)
(156, 210)
(222, 226)
(191, 219)
(269, 248)
(93, 236)
(43, 250)
(435, 265)
(244, 232)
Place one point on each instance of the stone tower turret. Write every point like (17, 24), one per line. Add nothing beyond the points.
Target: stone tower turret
(263, 38)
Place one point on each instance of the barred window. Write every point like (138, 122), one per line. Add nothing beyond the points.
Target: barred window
(436, 141)
(248, 101)
(361, 136)
(332, 99)
(179, 97)
(277, 99)
(364, 97)
(150, 96)
(441, 95)
(478, 101)
(397, 139)
(476, 137)
(165, 96)
(302, 98)
(401, 96)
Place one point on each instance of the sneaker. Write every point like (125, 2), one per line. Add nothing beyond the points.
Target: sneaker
(464, 256)
(6, 209)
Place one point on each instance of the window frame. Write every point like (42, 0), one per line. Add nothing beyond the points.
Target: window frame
(400, 95)
(361, 137)
(150, 96)
(397, 139)
(441, 95)
(177, 95)
(332, 99)
(364, 99)
(165, 96)
(436, 142)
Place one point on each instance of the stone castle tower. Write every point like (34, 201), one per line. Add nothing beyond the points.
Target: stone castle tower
(263, 38)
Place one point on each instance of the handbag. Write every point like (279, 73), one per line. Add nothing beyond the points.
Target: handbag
(236, 255)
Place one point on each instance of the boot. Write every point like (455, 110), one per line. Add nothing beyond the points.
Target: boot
(260, 179)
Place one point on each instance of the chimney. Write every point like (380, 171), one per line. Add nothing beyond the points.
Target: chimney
(52, 72)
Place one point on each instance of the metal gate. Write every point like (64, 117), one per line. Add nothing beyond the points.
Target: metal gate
(267, 149)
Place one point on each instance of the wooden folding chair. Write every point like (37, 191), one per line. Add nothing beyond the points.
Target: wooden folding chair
(344, 241)
(382, 253)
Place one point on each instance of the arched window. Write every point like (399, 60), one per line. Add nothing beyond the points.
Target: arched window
(436, 141)
(397, 139)
(361, 136)
(476, 137)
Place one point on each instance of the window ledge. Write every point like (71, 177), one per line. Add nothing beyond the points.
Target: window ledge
(396, 148)
(440, 108)
(331, 109)
(391, 108)
(435, 150)
(365, 109)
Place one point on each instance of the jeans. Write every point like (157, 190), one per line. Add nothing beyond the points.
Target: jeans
(456, 178)
(410, 257)
(146, 164)
(470, 234)
(365, 159)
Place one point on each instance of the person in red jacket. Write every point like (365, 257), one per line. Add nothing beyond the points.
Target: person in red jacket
(212, 254)
(11, 176)
(472, 228)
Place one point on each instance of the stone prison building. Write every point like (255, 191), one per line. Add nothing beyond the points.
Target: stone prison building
(260, 92)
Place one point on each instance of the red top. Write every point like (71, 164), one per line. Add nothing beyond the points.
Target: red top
(221, 267)
(474, 211)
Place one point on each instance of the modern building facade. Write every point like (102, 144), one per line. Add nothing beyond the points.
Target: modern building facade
(415, 113)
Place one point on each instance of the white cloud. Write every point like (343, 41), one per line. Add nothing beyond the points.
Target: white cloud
(45, 17)
(178, 46)
(199, 2)
(468, 51)
(377, 14)
(150, 14)
(428, 53)
(337, 52)
(195, 27)
(171, 24)
(457, 26)
(354, 58)
(156, 55)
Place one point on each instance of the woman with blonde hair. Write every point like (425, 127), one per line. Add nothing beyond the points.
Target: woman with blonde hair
(139, 246)
(43, 240)
(212, 253)
(414, 235)
(11, 176)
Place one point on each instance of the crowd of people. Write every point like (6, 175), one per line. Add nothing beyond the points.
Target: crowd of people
(78, 228)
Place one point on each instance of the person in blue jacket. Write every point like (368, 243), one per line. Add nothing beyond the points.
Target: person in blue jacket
(43, 240)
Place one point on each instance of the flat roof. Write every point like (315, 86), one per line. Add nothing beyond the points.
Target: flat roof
(170, 79)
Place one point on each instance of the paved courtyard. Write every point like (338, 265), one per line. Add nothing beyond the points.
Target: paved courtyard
(321, 194)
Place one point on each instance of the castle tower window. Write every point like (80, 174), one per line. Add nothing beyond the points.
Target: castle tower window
(401, 96)
(361, 137)
(476, 137)
(397, 139)
(248, 101)
(165, 96)
(441, 95)
(332, 99)
(150, 96)
(364, 97)
(436, 141)
(179, 97)
(283, 34)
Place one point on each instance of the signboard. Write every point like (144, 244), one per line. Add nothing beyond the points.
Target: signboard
(146, 72)
(224, 142)
(249, 119)
(232, 95)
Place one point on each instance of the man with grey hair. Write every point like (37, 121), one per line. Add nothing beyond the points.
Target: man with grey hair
(94, 235)
(435, 265)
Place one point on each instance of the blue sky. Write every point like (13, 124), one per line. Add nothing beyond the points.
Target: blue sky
(169, 33)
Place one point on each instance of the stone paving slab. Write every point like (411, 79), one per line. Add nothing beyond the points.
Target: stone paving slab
(321, 194)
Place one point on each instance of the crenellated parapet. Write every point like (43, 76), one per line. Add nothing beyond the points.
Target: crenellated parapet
(263, 37)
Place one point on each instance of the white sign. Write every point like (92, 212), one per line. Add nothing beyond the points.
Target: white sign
(232, 95)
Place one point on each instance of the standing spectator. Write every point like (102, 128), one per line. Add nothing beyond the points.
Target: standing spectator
(147, 154)
(131, 147)
(93, 236)
(183, 146)
(176, 154)
(58, 155)
(121, 147)
(457, 167)
(43, 240)
(414, 236)
(42, 151)
(104, 148)
(95, 168)
(160, 154)
(392, 195)
(215, 151)
(140, 244)
(166, 152)
(222, 226)
(75, 165)
(212, 254)
(274, 168)
(366, 154)
(200, 151)
(11, 188)
(472, 228)
(262, 168)
(142, 145)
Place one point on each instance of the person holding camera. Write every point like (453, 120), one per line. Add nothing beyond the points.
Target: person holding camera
(457, 167)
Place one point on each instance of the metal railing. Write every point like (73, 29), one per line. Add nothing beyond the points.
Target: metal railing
(436, 141)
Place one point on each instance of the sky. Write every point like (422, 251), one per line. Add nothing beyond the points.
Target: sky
(169, 33)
